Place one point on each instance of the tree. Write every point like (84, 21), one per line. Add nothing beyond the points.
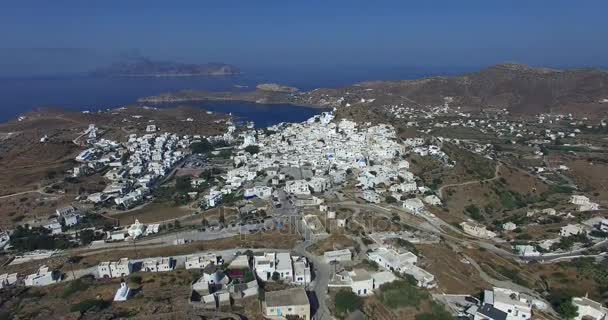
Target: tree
(87, 236)
(346, 302)
(124, 158)
(201, 147)
(390, 199)
(568, 309)
(183, 184)
(253, 149)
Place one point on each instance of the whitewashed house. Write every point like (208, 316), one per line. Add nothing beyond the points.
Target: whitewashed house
(43, 277)
(477, 230)
(301, 270)
(359, 280)
(7, 280)
(200, 262)
(159, 265)
(509, 302)
(589, 309)
(115, 269)
(572, 229)
(300, 187)
(343, 255)
(414, 205)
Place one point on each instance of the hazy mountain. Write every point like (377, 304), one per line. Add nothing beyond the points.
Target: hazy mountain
(146, 67)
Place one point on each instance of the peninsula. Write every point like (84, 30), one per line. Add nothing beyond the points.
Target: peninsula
(517, 88)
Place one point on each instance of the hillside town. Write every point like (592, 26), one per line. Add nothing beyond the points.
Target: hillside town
(352, 193)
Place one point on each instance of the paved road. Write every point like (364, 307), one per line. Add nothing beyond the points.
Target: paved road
(322, 273)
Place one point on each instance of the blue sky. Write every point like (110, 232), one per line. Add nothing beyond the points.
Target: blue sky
(429, 33)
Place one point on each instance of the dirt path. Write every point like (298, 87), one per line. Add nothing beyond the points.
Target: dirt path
(496, 172)
(39, 191)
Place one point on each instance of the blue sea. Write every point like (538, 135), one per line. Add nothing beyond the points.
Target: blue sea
(79, 92)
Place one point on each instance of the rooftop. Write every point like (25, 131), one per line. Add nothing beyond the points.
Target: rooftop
(288, 297)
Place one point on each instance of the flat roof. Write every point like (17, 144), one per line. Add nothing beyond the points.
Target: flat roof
(288, 297)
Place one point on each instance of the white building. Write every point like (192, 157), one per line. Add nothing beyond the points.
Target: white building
(301, 270)
(476, 230)
(262, 192)
(200, 262)
(392, 260)
(371, 196)
(213, 198)
(7, 280)
(289, 302)
(526, 250)
(509, 226)
(43, 277)
(270, 262)
(343, 255)
(123, 293)
(509, 302)
(159, 265)
(414, 205)
(136, 230)
(297, 187)
(359, 280)
(432, 200)
(115, 269)
(572, 229)
(589, 309)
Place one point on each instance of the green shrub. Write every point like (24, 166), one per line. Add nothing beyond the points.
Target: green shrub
(346, 302)
(75, 286)
(401, 294)
(89, 305)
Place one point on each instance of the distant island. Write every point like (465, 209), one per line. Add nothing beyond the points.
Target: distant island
(144, 67)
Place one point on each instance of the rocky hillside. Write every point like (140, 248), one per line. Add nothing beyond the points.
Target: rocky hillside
(517, 88)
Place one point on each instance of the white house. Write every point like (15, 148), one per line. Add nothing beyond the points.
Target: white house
(7, 280)
(414, 205)
(262, 192)
(572, 229)
(509, 302)
(476, 230)
(371, 196)
(43, 277)
(509, 226)
(359, 280)
(213, 198)
(319, 184)
(54, 226)
(270, 262)
(392, 260)
(200, 262)
(115, 269)
(526, 250)
(297, 187)
(301, 270)
(159, 265)
(432, 200)
(589, 309)
(343, 255)
(289, 302)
